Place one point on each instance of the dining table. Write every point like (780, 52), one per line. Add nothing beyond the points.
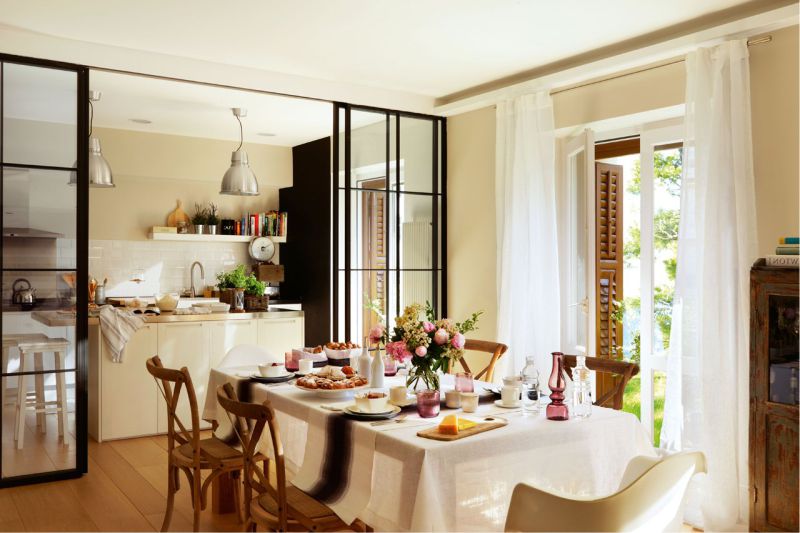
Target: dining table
(395, 480)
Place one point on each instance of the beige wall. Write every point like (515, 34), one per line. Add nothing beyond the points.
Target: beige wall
(152, 171)
(471, 157)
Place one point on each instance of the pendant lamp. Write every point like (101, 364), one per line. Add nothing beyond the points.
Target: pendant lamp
(99, 170)
(239, 179)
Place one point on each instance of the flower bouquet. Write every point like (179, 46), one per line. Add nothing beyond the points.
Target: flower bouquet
(430, 345)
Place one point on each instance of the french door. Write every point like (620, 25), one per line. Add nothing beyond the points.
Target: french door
(389, 203)
(45, 194)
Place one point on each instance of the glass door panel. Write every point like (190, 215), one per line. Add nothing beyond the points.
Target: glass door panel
(43, 420)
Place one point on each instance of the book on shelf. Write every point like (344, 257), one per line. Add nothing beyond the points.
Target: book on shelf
(783, 260)
(787, 249)
(789, 240)
(267, 224)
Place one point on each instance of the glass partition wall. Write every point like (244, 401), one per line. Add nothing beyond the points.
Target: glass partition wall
(44, 180)
(388, 216)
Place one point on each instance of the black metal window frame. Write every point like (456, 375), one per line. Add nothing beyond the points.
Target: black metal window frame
(438, 196)
(81, 265)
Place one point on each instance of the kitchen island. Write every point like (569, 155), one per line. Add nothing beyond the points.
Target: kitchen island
(124, 400)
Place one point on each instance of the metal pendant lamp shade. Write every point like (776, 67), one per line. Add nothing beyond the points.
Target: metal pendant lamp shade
(99, 170)
(239, 179)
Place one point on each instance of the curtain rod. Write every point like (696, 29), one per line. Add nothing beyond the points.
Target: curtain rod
(674, 61)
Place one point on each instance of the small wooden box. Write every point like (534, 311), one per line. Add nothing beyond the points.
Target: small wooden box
(256, 303)
(272, 273)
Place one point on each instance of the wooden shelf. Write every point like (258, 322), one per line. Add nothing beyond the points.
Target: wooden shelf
(193, 237)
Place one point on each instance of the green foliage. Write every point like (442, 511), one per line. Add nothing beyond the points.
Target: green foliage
(375, 307)
(200, 215)
(253, 286)
(632, 248)
(235, 279)
(665, 229)
(667, 168)
(662, 310)
(671, 266)
(211, 214)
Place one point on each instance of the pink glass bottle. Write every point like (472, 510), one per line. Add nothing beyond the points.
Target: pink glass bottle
(557, 410)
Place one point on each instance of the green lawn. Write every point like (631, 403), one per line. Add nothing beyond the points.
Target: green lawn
(632, 401)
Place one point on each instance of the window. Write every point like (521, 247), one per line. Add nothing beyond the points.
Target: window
(388, 216)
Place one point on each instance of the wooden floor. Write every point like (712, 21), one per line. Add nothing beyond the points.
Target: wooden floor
(125, 490)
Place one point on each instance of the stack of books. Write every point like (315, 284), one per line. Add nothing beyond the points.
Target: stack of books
(787, 253)
(269, 224)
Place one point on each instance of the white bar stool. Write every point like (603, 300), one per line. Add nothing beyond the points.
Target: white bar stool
(11, 341)
(39, 403)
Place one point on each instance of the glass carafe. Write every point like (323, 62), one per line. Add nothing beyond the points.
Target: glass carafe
(581, 389)
(530, 385)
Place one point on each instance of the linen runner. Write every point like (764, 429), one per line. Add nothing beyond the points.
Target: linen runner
(337, 463)
(417, 484)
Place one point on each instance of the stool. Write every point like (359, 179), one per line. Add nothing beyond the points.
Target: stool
(39, 404)
(11, 341)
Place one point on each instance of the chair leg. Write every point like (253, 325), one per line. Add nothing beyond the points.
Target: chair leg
(41, 421)
(196, 503)
(61, 396)
(172, 474)
(22, 396)
(237, 494)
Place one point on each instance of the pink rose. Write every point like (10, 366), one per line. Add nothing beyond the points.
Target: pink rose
(458, 341)
(421, 351)
(441, 336)
(428, 326)
(398, 350)
(376, 333)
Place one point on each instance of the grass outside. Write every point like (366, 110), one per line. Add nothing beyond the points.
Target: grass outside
(632, 402)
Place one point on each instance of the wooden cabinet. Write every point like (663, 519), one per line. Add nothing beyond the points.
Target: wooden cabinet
(184, 344)
(128, 393)
(280, 335)
(773, 398)
(224, 335)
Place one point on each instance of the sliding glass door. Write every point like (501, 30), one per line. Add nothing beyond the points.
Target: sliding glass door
(44, 177)
(388, 216)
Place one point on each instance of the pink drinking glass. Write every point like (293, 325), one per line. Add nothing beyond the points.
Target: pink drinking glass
(464, 382)
(389, 366)
(428, 403)
(292, 365)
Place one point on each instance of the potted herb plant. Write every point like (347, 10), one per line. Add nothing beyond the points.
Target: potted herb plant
(254, 297)
(212, 219)
(231, 288)
(199, 219)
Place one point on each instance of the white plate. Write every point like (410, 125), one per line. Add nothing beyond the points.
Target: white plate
(353, 410)
(281, 376)
(333, 393)
(499, 403)
(410, 400)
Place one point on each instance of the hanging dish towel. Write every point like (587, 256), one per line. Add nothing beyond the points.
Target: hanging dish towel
(117, 327)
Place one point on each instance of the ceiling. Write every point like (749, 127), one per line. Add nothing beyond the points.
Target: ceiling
(422, 47)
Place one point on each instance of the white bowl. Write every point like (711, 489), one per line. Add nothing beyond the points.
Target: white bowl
(167, 301)
(371, 405)
(342, 354)
(272, 370)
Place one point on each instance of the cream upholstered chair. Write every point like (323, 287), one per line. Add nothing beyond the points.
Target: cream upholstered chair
(650, 498)
(246, 355)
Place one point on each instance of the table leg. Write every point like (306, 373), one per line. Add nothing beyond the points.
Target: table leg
(41, 421)
(222, 493)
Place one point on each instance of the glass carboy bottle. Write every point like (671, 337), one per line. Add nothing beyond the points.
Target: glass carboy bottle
(581, 389)
(530, 385)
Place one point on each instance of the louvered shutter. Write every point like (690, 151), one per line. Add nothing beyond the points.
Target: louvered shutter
(609, 255)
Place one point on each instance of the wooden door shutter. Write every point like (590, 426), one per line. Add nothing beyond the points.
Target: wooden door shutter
(373, 245)
(609, 256)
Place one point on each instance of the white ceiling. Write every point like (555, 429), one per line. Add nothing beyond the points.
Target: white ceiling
(423, 47)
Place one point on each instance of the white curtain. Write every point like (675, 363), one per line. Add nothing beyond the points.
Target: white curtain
(527, 253)
(707, 379)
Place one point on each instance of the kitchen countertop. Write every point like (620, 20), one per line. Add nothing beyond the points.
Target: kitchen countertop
(56, 318)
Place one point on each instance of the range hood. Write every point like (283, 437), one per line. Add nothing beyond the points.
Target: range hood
(30, 233)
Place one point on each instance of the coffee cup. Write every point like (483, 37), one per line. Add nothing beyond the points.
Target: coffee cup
(469, 402)
(452, 399)
(510, 395)
(398, 394)
(306, 366)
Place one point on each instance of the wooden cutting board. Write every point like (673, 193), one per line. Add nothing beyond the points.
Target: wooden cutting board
(489, 423)
(179, 215)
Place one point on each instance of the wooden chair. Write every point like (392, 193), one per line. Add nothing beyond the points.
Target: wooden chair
(283, 507)
(624, 369)
(187, 451)
(497, 350)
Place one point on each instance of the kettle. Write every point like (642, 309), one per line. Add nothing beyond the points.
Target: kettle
(25, 296)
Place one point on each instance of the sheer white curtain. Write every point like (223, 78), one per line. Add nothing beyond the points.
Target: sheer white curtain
(707, 379)
(527, 253)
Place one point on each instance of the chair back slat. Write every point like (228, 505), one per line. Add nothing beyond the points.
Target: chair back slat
(249, 421)
(497, 349)
(623, 370)
(171, 382)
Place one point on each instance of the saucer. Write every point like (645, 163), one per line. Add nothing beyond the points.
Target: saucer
(275, 379)
(499, 403)
(354, 410)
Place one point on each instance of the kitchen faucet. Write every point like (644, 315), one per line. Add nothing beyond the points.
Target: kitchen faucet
(202, 277)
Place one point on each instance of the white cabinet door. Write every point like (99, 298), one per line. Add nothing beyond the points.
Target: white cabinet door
(184, 344)
(280, 335)
(129, 405)
(226, 334)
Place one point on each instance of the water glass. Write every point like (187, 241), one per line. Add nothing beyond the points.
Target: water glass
(530, 397)
(389, 366)
(464, 382)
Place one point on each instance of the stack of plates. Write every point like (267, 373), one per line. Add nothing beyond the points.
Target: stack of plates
(391, 411)
(216, 307)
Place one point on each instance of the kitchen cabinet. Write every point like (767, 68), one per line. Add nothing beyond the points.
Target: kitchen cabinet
(280, 335)
(129, 394)
(184, 344)
(224, 335)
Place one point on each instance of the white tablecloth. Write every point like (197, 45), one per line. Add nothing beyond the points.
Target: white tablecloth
(420, 484)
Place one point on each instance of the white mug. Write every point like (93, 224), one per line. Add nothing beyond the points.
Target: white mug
(306, 366)
(469, 402)
(398, 394)
(509, 395)
(452, 399)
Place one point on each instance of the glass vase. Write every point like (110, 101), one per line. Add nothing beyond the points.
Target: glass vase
(428, 403)
(557, 410)
(238, 301)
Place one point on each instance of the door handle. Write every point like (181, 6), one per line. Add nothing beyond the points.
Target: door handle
(585, 306)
